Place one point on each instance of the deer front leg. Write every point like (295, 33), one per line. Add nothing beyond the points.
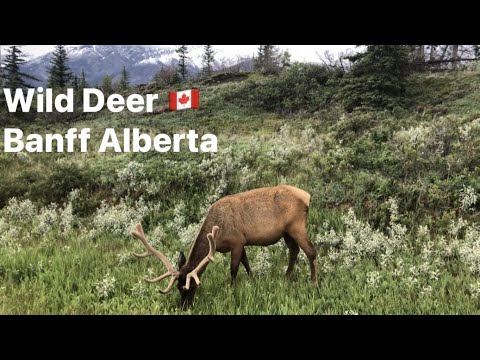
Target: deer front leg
(237, 253)
(245, 263)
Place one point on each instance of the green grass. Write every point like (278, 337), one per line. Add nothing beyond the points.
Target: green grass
(357, 161)
(55, 280)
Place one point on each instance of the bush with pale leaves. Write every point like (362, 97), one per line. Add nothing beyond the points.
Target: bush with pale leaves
(105, 288)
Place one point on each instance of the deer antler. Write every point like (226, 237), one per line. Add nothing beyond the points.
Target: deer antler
(139, 234)
(209, 258)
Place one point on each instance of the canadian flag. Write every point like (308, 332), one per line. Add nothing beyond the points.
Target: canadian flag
(187, 99)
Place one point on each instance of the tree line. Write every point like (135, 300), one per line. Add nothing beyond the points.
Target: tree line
(59, 74)
(374, 77)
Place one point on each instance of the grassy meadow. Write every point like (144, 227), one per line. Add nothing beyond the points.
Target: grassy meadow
(394, 212)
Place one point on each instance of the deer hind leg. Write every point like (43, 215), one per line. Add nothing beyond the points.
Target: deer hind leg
(237, 254)
(244, 261)
(293, 250)
(299, 234)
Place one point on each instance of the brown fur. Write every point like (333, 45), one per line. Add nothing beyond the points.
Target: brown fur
(257, 217)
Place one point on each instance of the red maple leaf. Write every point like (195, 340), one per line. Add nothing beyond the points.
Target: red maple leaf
(184, 99)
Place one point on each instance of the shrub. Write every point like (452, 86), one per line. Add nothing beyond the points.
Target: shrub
(64, 178)
(302, 87)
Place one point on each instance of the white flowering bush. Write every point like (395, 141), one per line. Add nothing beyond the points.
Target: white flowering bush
(188, 234)
(464, 132)
(360, 240)
(120, 219)
(468, 198)
(157, 237)
(329, 238)
(67, 219)
(290, 143)
(131, 178)
(105, 287)
(255, 145)
(21, 211)
(423, 232)
(373, 279)
(261, 263)
(475, 290)
(9, 238)
(414, 137)
(48, 218)
(283, 146)
(24, 157)
(54, 217)
(178, 222)
(247, 177)
(469, 249)
(139, 289)
(125, 257)
(456, 225)
(428, 250)
(217, 193)
(447, 248)
(224, 163)
(426, 290)
(73, 195)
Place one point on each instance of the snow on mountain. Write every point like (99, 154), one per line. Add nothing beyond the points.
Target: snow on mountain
(141, 61)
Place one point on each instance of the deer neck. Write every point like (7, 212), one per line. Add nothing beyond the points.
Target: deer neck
(198, 250)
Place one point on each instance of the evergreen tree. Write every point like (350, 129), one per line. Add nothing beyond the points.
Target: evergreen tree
(12, 73)
(268, 59)
(182, 52)
(285, 59)
(75, 83)
(83, 81)
(79, 83)
(259, 60)
(124, 84)
(207, 60)
(59, 75)
(106, 85)
(377, 78)
(1, 69)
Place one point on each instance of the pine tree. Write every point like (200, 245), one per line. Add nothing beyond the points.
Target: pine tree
(207, 60)
(259, 60)
(182, 52)
(285, 59)
(59, 75)
(268, 60)
(83, 81)
(12, 73)
(124, 84)
(75, 83)
(106, 85)
(79, 84)
(271, 60)
(1, 69)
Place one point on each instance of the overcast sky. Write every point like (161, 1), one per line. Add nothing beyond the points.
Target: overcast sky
(306, 53)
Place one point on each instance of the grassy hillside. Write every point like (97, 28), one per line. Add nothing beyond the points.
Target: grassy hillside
(394, 211)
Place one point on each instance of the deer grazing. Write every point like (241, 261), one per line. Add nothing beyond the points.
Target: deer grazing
(258, 217)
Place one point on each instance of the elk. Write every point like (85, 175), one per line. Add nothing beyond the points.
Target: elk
(259, 217)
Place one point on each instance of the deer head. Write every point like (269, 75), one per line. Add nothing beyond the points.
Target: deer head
(183, 277)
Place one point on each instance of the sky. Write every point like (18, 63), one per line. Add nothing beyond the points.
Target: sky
(306, 53)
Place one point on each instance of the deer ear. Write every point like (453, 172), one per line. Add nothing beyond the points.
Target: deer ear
(181, 260)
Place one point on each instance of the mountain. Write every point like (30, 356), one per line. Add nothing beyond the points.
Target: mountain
(141, 61)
